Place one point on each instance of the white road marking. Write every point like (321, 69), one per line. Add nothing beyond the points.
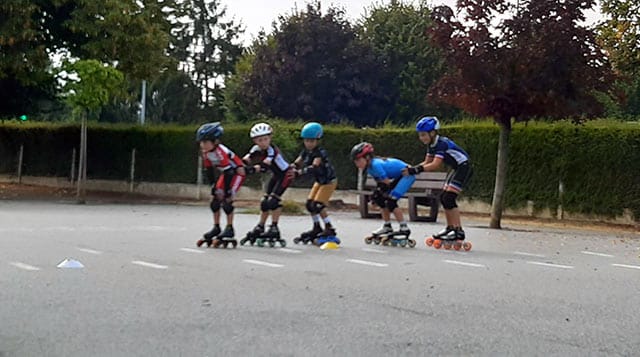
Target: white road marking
(190, 250)
(90, 251)
(374, 250)
(465, 263)
(259, 262)
(551, 265)
(597, 254)
(365, 262)
(626, 266)
(24, 266)
(292, 251)
(529, 254)
(149, 265)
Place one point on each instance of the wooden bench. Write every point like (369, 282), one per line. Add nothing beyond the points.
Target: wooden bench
(425, 192)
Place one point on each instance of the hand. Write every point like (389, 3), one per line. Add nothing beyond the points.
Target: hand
(413, 170)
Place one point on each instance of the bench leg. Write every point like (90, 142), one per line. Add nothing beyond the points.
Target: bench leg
(430, 202)
(364, 207)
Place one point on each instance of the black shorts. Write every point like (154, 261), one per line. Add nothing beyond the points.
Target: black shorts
(459, 178)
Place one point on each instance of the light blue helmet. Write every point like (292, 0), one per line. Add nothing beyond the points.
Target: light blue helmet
(428, 124)
(311, 130)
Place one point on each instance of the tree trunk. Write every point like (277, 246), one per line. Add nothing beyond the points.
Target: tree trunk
(501, 177)
(82, 164)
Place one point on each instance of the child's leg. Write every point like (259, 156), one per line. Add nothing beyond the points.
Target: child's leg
(401, 187)
(322, 198)
(311, 208)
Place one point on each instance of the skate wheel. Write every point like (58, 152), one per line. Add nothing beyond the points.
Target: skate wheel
(234, 244)
(448, 246)
(243, 241)
(199, 243)
(403, 243)
(457, 246)
(216, 243)
(283, 243)
(437, 243)
(429, 241)
(368, 240)
(412, 243)
(296, 240)
(272, 244)
(467, 246)
(259, 242)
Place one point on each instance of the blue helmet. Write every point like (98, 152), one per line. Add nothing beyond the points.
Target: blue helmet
(209, 131)
(428, 124)
(311, 130)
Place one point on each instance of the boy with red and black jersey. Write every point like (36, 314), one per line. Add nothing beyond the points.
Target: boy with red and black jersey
(215, 155)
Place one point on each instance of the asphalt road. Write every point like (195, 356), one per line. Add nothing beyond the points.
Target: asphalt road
(146, 290)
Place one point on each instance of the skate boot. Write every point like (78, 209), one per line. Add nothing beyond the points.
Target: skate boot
(271, 236)
(253, 235)
(327, 235)
(225, 238)
(376, 235)
(208, 237)
(308, 236)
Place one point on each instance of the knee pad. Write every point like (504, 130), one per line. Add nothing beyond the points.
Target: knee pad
(391, 204)
(318, 206)
(264, 204)
(310, 207)
(227, 207)
(448, 200)
(273, 203)
(379, 200)
(215, 205)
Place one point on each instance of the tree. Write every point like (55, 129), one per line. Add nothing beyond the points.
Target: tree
(207, 48)
(619, 35)
(24, 80)
(132, 34)
(88, 85)
(173, 98)
(314, 66)
(398, 34)
(538, 61)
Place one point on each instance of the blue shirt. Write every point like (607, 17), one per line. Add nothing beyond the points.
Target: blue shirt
(448, 151)
(386, 168)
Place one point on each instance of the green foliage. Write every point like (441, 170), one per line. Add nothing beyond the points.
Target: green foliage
(597, 162)
(396, 31)
(93, 84)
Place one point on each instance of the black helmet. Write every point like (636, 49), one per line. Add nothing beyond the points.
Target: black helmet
(361, 150)
(209, 131)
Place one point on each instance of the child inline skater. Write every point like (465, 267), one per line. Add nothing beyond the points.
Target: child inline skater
(314, 160)
(216, 155)
(392, 185)
(264, 156)
(442, 150)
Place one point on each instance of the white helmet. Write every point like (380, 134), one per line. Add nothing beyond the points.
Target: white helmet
(260, 129)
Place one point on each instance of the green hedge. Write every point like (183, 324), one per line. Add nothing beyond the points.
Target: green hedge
(598, 163)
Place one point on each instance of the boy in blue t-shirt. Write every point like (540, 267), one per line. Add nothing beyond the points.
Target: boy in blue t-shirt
(442, 150)
(392, 185)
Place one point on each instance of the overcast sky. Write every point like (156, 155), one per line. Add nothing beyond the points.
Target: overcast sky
(259, 14)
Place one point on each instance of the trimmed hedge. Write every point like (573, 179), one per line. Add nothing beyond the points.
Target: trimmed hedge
(597, 164)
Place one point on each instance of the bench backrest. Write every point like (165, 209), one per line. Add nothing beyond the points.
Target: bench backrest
(424, 181)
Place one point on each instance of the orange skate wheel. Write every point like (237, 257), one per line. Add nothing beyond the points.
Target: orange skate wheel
(447, 245)
(467, 246)
(457, 246)
(437, 243)
(429, 241)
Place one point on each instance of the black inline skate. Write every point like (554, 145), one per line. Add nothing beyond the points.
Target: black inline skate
(225, 238)
(209, 236)
(253, 234)
(386, 236)
(271, 237)
(309, 236)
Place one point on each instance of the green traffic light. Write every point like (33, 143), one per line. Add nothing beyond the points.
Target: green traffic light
(23, 117)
